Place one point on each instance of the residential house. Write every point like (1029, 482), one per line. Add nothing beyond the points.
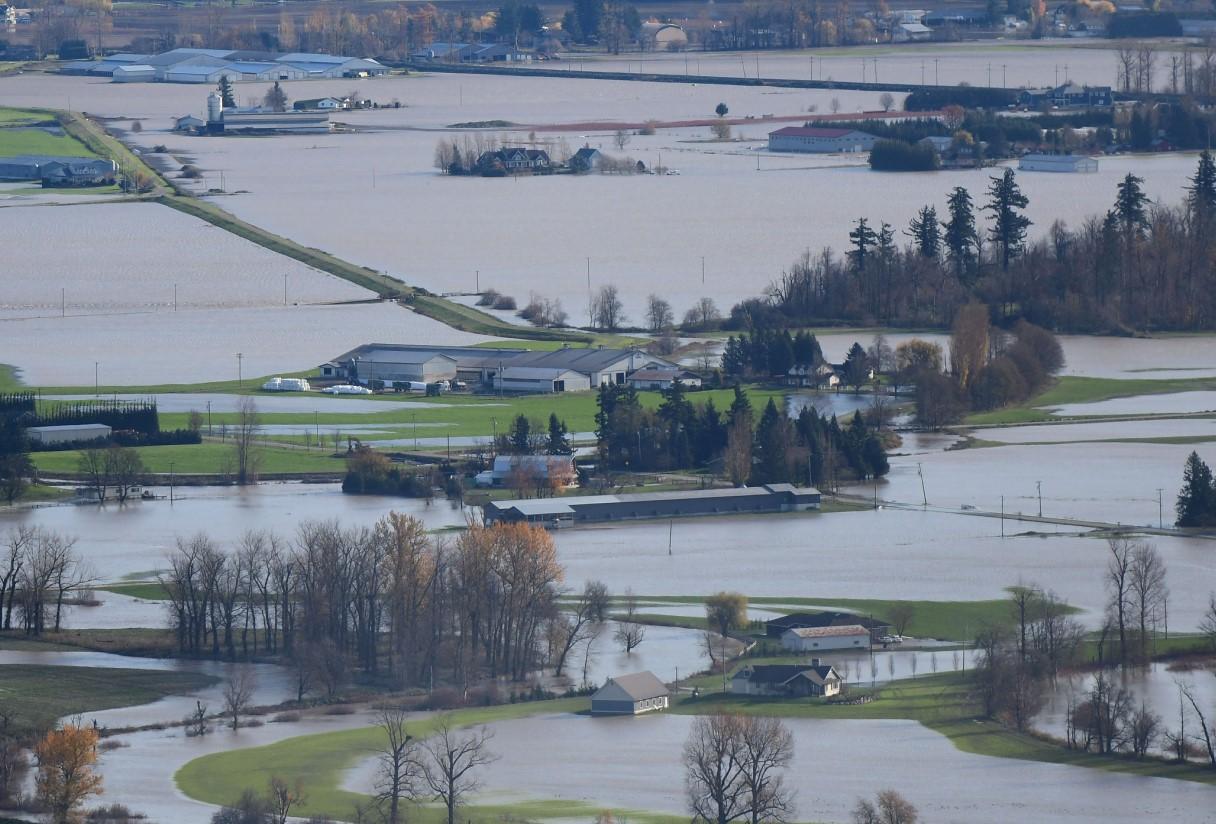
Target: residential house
(630, 695)
(318, 104)
(911, 33)
(787, 680)
(513, 161)
(78, 172)
(819, 141)
(661, 378)
(813, 639)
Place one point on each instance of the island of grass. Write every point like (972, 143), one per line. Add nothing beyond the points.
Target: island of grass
(40, 695)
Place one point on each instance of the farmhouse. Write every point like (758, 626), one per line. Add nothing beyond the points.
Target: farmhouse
(805, 639)
(318, 104)
(630, 695)
(1058, 163)
(820, 141)
(530, 470)
(70, 433)
(793, 680)
(828, 618)
(513, 161)
(587, 160)
(58, 171)
(561, 512)
(662, 378)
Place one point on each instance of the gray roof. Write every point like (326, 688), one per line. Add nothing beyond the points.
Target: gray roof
(641, 685)
(582, 360)
(782, 673)
(555, 506)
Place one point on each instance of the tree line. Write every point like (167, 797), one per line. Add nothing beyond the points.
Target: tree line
(1140, 266)
(771, 447)
(388, 600)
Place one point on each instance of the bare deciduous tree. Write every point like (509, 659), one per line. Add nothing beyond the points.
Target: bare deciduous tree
(607, 310)
(658, 314)
(629, 633)
(1148, 591)
(245, 451)
(888, 807)
(452, 758)
(1118, 586)
(238, 693)
(400, 767)
(578, 625)
(1207, 625)
(733, 769)
(283, 797)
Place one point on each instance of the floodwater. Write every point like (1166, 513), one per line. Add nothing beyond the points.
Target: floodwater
(1126, 430)
(1156, 686)
(1088, 481)
(889, 553)
(537, 234)
(1165, 403)
(635, 764)
(132, 350)
(105, 270)
(122, 540)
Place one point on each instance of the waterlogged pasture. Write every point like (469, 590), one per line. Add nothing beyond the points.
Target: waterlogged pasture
(635, 764)
(1168, 403)
(1197, 428)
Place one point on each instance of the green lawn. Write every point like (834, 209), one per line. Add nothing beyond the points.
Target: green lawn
(40, 695)
(40, 142)
(21, 117)
(321, 760)
(1074, 389)
(202, 459)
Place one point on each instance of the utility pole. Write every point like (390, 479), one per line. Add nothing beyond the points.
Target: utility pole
(175, 297)
(171, 479)
(1039, 486)
(96, 389)
(240, 379)
(703, 267)
(208, 417)
(477, 281)
(1002, 516)
(284, 288)
(63, 303)
(921, 472)
(1160, 511)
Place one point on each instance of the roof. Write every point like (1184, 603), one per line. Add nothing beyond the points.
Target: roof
(915, 28)
(811, 131)
(639, 685)
(535, 373)
(580, 360)
(142, 68)
(505, 463)
(826, 618)
(659, 374)
(71, 427)
(401, 356)
(553, 506)
(830, 632)
(202, 71)
(781, 673)
(312, 57)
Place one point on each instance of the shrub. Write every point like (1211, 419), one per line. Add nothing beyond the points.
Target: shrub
(191, 172)
(505, 302)
(444, 698)
(487, 298)
(897, 156)
(285, 718)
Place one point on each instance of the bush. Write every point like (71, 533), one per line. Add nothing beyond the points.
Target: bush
(505, 302)
(114, 814)
(897, 156)
(487, 298)
(74, 50)
(159, 148)
(969, 97)
(286, 718)
(444, 698)
(191, 172)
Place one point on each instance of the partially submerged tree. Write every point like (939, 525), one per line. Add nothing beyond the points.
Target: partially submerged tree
(66, 758)
(453, 758)
(400, 769)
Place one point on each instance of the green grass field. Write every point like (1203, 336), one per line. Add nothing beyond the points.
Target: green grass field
(40, 695)
(21, 117)
(39, 142)
(202, 459)
(321, 760)
(1074, 389)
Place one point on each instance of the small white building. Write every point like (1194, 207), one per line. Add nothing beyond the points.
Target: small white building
(540, 379)
(188, 123)
(630, 695)
(819, 141)
(660, 378)
(1082, 164)
(811, 639)
(133, 73)
(70, 433)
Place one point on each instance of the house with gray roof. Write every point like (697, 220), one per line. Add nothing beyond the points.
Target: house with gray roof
(632, 694)
(787, 680)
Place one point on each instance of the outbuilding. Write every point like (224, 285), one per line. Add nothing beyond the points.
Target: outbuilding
(787, 680)
(421, 365)
(661, 378)
(70, 433)
(1058, 163)
(528, 470)
(630, 695)
(808, 639)
(819, 141)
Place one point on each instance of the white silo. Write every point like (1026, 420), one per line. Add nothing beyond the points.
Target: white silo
(215, 108)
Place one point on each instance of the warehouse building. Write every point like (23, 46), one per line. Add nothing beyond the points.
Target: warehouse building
(819, 141)
(1072, 164)
(71, 433)
(209, 65)
(562, 512)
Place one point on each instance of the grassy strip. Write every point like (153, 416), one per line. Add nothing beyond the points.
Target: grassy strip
(320, 761)
(40, 694)
(153, 643)
(1074, 389)
(944, 620)
(468, 319)
(207, 458)
(21, 117)
(946, 704)
(144, 590)
(101, 143)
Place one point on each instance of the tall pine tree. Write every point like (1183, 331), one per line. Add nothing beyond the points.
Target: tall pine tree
(1197, 501)
(1009, 225)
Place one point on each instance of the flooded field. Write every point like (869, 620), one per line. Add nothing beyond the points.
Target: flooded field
(1167, 403)
(105, 271)
(635, 764)
(131, 350)
(120, 540)
(319, 189)
(1126, 430)
(1078, 480)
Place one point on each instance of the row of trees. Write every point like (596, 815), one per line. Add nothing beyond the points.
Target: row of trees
(40, 574)
(390, 599)
(1139, 266)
